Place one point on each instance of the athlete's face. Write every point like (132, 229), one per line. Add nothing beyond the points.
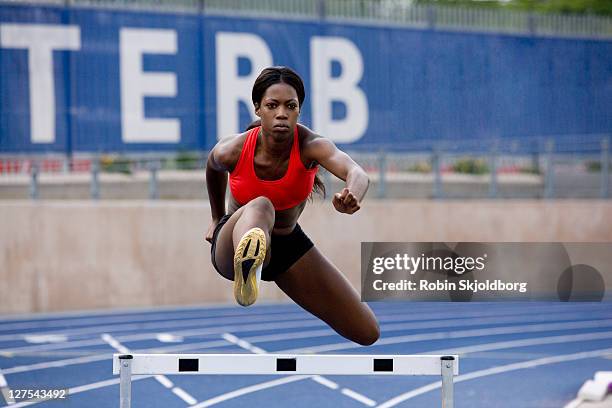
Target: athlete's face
(279, 110)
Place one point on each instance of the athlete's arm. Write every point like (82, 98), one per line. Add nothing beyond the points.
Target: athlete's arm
(340, 164)
(218, 167)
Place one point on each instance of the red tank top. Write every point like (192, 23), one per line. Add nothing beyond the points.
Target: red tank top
(286, 192)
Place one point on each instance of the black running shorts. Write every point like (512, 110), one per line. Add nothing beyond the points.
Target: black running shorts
(286, 250)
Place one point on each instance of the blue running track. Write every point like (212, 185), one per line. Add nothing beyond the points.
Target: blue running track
(511, 354)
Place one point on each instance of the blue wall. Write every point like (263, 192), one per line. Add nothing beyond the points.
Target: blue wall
(419, 84)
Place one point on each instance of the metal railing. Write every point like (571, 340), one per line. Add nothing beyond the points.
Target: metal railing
(504, 169)
(395, 12)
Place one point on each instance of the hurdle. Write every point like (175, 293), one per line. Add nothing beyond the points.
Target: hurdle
(126, 365)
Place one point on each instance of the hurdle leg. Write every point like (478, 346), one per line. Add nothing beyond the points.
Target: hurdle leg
(125, 381)
(447, 381)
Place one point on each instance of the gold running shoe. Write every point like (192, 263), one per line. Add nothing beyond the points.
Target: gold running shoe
(248, 263)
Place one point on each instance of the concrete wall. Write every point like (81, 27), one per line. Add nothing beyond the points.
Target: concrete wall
(83, 255)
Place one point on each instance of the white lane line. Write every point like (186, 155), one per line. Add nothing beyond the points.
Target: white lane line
(457, 334)
(325, 382)
(250, 389)
(85, 320)
(106, 383)
(437, 324)
(146, 313)
(168, 338)
(291, 316)
(6, 394)
(214, 330)
(165, 381)
(99, 357)
(574, 403)
(114, 343)
(497, 370)
(358, 397)
(5, 389)
(270, 384)
(157, 326)
(188, 346)
(179, 392)
(55, 364)
(327, 347)
(317, 378)
(222, 343)
(525, 343)
(85, 388)
(71, 319)
(162, 379)
(45, 338)
(243, 344)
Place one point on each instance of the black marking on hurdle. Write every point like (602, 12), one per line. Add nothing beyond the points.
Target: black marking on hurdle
(286, 364)
(447, 358)
(126, 357)
(383, 364)
(189, 365)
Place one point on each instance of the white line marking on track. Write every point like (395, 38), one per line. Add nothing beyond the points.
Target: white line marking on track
(106, 383)
(86, 318)
(5, 389)
(293, 316)
(250, 389)
(358, 397)
(243, 344)
(525, 343)
(86, 387)
(184, 396)
(325, 382)
(221, 343)
(574, 403)
(497, 370)
(62, 363)
(317, 378)
(411, 325)
(89, 319)
(45, 338)
(162, 379)
(56, 364)
(165, 381)
(457, 334)
(533, 327)
(99, 357)
(114, 343)
(168, 338)
(7, 396)
(179, 323)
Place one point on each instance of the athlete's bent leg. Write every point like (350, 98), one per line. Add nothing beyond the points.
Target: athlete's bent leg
(242, 247)
(314, 283)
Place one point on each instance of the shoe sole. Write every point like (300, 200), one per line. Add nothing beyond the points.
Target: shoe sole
(249, 257)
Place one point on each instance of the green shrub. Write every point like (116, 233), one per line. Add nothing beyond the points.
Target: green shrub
(187, 161)
(115, 164)
(469, 165)
(530, 170)
(593, 166)
(420, 167)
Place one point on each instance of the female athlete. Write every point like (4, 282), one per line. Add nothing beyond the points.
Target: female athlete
(272, 171)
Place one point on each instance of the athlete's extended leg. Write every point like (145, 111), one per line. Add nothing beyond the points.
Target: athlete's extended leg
(241, 247)
(314, 283)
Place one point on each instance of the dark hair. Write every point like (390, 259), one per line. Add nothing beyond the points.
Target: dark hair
(276, 75)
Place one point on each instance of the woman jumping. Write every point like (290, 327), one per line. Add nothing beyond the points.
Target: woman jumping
(272, 171)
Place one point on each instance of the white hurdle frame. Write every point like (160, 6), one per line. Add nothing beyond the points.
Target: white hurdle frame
(127, 365)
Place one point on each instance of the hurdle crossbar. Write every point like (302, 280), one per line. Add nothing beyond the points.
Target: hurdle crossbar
(127, 365)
